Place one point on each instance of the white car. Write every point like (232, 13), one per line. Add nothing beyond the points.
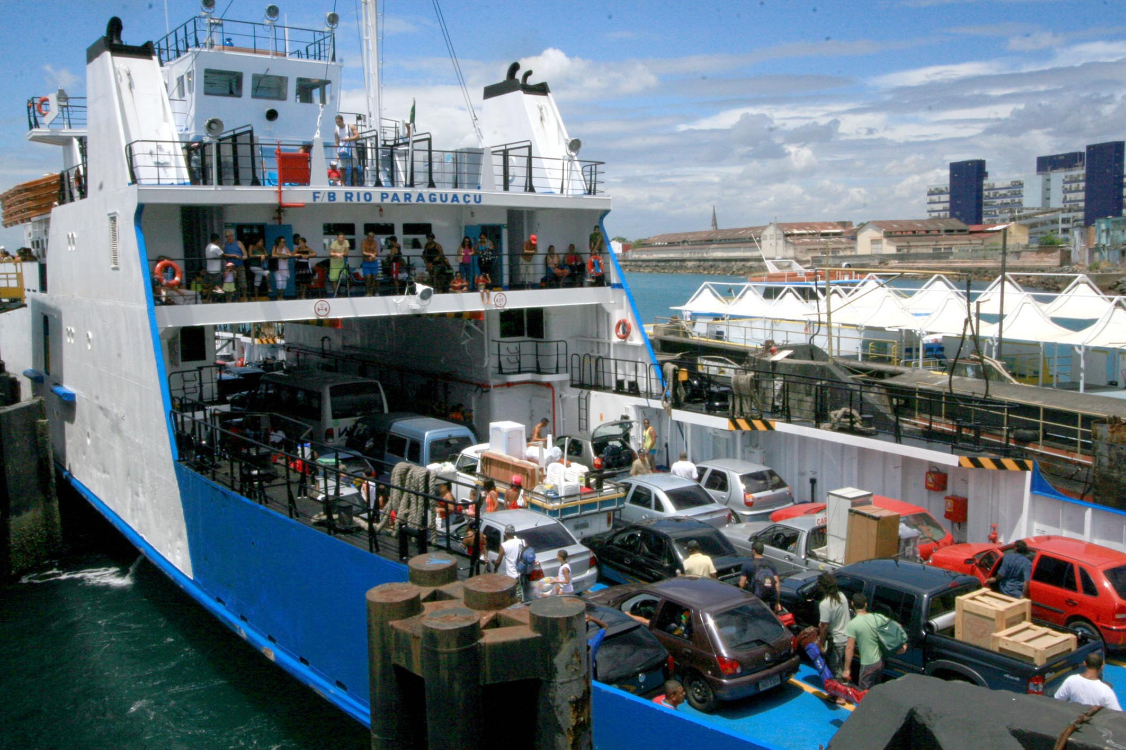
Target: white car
(545, 535)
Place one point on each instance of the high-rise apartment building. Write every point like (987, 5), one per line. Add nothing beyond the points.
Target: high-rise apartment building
(1104, 181)
(967, 190)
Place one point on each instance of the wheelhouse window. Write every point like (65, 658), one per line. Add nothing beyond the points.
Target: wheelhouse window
(222, 82)
(263, 86)
(313, 90)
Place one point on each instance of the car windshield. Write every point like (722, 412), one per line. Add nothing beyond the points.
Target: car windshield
(762, 481)
(447, 449)
(627, 653)
(747, 626)
(925, 524)
(712, 545)
(1117, 578)
(547, 537)
(356, 400)
(683, 498)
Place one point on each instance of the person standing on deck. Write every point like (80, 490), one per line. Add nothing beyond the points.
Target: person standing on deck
(338, 258)
(345, 136)
(649, 444)
(833, 618)
(685, 468)
(1014, 572)
(369, 248)
(281, 255)
(528, 262)
(511, 551)
(214, 255)
(235, 252)
(1088, 689)
(697, 563)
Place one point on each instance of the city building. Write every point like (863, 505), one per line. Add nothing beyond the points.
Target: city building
(1103, 188)
(967, 190)
(1002, 200)
(803, 240)
(1046, 222)
(920, 236)
(938, 202)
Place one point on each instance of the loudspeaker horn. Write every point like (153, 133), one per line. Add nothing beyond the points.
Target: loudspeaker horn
(213, 127)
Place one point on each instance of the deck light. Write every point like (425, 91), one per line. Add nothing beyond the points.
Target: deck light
(332, 20)
(207, 7)
(272, 13)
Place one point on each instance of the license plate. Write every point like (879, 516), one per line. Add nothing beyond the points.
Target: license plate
(770, 682)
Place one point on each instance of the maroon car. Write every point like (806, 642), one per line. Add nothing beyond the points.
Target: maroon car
(725, 643)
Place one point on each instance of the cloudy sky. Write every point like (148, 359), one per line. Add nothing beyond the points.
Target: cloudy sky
(795, 111)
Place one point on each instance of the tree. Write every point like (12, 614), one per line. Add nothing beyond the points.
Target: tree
(619, 239)
(1050, 240)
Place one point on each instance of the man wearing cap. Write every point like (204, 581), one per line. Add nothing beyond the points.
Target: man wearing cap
(527, 262)
(510, 551)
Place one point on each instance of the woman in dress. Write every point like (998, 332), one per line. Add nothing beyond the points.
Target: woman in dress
(303, 266)
(259, 267)
(281, 255)
(465, 254)
(486, 255)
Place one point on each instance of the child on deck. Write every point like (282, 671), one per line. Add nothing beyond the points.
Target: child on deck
(458, 284)
(334, 177)
(229, 279)
(483, 282)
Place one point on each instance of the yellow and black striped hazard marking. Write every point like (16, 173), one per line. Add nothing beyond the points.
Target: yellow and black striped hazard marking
(1002, 464)
(760, 425)
(266, 340)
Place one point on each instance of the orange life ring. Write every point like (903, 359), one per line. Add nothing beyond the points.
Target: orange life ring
(622, 329)
(177, 277)
(39, 105)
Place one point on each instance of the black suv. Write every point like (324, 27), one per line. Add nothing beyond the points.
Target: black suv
(655, 549)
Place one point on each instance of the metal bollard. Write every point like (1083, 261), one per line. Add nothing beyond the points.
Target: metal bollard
(451, 672)
(564, 713)
(390, 728)
(432, 570)
(489, 591)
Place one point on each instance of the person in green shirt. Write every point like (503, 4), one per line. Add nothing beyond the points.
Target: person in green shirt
(861, 632)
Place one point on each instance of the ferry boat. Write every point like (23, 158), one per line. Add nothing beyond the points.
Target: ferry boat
(226, 126)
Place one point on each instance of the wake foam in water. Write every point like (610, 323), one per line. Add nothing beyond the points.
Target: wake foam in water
(108, 577)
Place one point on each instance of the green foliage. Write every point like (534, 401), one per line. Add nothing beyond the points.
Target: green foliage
(1050, 240)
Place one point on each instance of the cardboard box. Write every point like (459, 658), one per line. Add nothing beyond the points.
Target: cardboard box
(837, 505)
(1033, 643)
(873, 533)
(980, 614)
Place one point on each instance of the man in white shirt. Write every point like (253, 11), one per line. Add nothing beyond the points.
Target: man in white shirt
(1088, 688)
(685, 468)
(510, 552)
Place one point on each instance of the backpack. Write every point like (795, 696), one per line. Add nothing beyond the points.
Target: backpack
(891, 634)
(527, 561)
(763, 582)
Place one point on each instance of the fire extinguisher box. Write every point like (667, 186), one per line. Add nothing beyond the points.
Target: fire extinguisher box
(935, 481)
(956, 508)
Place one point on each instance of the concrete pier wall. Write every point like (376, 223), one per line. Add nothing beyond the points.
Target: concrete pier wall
(29, 510)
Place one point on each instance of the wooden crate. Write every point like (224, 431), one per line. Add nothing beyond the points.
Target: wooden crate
(1034, 643)
(980, 614)
(501, 468)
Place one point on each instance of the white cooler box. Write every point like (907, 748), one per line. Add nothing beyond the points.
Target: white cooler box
(507, 438)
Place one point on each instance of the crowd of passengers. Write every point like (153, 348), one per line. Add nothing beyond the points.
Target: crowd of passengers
(235, 272)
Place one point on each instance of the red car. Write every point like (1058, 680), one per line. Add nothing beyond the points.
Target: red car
(932, 534)
(1074, 583)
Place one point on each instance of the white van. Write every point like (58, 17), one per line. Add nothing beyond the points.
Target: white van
(328, 402)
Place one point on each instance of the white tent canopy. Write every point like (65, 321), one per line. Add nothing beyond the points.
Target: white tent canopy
(750, 304)
(931, 295)
(990, 299)
(1027, 322)
(789, 306)
(706, 302)
(887, 313)
(1081, 299)
(948, 319)
(1108, 332)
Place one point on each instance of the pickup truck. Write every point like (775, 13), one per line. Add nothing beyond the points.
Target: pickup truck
(921, 599)
(794, 545)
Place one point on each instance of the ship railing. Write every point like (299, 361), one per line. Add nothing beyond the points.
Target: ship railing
(516, 169)
(273, 39)
(330, 488)
(390, 276)
(623, 376)
(530, 356)
(72, 184)
(71, 116)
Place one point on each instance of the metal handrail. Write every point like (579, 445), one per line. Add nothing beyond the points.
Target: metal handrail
(284, 474)
(72, 114)
(522, 356)
(627, 376)
(206, 32)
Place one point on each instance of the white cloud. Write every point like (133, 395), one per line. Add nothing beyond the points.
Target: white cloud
(576, 78)
(60, 77)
